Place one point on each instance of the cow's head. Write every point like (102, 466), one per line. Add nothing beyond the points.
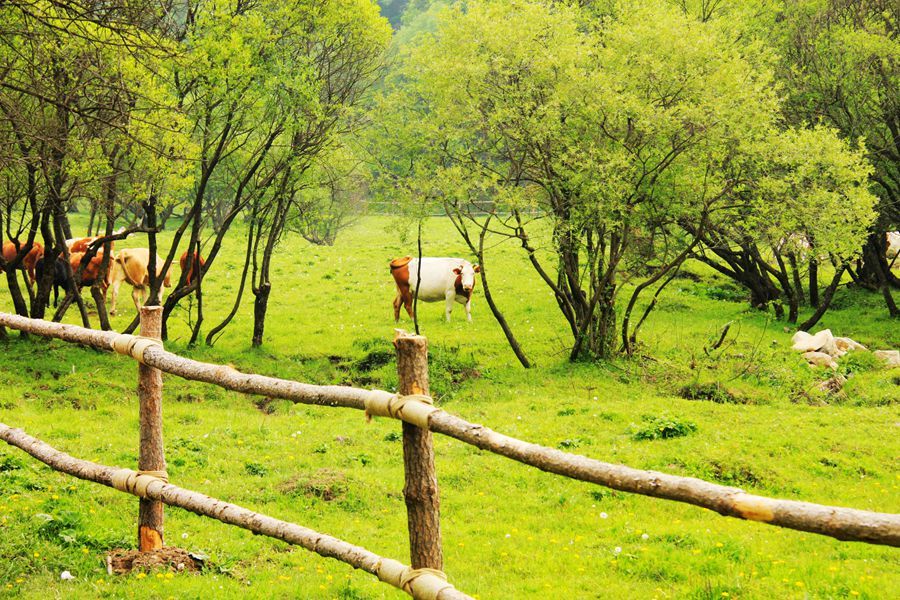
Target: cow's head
(465, 277)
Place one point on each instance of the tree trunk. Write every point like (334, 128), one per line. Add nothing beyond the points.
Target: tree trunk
(12, 279)
(260, 305)
(210, 337)
(874, 267)
(501, 320)
(194, 259)
(795, 273)
(488, 296)
(814, 282)
(826, 301)
(93, 216)
(874, 271)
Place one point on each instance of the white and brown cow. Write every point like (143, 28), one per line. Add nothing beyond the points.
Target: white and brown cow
(131, 266)
(447, 279)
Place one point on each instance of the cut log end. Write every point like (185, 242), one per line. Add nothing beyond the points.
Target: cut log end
(150, 539)
(753, 508)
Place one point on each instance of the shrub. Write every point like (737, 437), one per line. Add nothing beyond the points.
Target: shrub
(713, 392)
(256, 469)
(859, 362)
(662, 428)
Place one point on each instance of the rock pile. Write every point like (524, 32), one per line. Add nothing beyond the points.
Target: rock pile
(822, 349)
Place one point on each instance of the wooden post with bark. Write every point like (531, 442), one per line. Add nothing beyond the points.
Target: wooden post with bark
(151, 457)
(420, 490)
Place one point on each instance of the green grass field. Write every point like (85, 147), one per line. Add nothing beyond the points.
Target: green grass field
(509, 531)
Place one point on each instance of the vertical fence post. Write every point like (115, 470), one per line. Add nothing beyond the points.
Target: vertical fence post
(151, 457)
(420, 490)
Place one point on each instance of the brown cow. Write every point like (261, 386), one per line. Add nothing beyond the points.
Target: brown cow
(442, 279)
(131, 266)
(81, 244)
(11, 250)
(183, 261)
(91, 271)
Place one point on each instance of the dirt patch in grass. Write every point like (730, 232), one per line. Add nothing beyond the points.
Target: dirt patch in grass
(736, 475)
(175, 560)
(326, 484)
(374, 360)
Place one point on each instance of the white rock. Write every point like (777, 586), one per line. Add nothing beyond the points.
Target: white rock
(820, 359)
(801, 342)
(891, 358)
(804, 342)
(846, 344)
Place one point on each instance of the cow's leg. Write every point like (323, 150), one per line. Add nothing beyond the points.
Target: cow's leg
(469, 310)
(137, 294)
(398, 301)
(408, 304)
(115, 295)
(451, 298)
(404, 296)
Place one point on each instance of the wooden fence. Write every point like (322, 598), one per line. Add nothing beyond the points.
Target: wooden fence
(424, 577)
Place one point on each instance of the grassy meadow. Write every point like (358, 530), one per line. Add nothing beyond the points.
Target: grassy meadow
(509, 531)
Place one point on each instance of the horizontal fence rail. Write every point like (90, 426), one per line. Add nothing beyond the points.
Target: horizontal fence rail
(422, 583)
(845, 524)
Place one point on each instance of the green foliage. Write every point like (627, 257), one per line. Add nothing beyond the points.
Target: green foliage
(632, 139)
(662, 427)
(255, 469)
(859, 362)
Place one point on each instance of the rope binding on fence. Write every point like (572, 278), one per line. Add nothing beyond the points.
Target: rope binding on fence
(421, 584)
(137, 482)
(414, 408)
(133, 345)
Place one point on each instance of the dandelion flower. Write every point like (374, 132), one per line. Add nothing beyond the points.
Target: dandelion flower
(645, 536)
(603, 515)
(617, 549)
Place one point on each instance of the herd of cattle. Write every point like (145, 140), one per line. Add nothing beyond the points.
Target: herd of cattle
(129, 266)
(439, 279)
